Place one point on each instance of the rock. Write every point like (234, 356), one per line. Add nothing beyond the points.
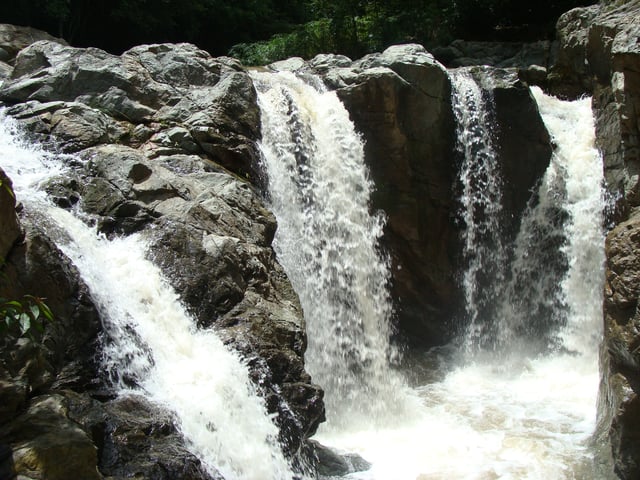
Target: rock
(158, 132)
(533, 75)
(42, 437)
(136, 439)
(522, 141)
(106, 99)
(14, 38)
(411, 165)
(288, 65)
(461, 53)
(211, 235)
(332, 464)
(400, 100)
(8, 219)
(620, 404)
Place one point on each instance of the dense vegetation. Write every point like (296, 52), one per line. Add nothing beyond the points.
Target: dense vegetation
(264, 30)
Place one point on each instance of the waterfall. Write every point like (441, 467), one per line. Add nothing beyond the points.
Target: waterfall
(479, 416)
(480, 207)
(328, 243)
(152, 346)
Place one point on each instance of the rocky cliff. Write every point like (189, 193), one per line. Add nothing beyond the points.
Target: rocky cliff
(599, 54)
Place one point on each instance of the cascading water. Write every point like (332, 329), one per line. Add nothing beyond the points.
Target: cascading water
(152, 346)
(481, 207)
(327, 242)
(526, 419)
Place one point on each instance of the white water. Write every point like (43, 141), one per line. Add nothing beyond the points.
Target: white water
(481, 205)
(505, 416)
(174, 364)
(328, 244)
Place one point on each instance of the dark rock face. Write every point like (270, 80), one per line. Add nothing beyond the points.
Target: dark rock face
(165, 143)
(600, 54)
(522, 141)
(8, 218)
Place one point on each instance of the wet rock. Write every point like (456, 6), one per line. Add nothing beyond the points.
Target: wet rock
(8, 219)
(521, 139)
(45, 444)
(135, 439)
(332, 464)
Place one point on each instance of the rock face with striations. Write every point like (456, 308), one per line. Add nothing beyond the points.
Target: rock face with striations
(164, 139)
(600, 54)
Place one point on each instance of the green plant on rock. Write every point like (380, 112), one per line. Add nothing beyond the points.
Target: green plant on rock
(28, 315)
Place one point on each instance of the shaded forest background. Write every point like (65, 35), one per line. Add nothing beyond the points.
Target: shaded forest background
(262, 31)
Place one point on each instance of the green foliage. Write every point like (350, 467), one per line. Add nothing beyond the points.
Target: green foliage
(306, 41)
(28, 315)
(262, 31)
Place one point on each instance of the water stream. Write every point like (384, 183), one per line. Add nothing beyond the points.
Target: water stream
(151, 345)
(502, 412)
(328, 243)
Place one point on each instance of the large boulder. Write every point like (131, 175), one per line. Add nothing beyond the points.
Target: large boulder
(85, 97)
(620, 394)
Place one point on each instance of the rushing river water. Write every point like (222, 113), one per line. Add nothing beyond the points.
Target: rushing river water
(501, 404)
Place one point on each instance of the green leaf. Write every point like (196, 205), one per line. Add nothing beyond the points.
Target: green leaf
(25, 323)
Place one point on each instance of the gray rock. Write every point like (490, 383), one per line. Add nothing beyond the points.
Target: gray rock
(288, 65)
(42, 437)
(159, 131)
(14, 38)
